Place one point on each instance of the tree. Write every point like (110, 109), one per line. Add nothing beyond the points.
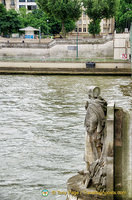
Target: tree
(9, 21)
(124, 15)
(54, 26)
(99, 9)
(37, 18)
(13, 23)
(62, 10)
(2, 18)
(70, 26)
(94, 27)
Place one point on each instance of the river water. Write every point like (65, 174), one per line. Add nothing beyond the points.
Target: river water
(42, 131)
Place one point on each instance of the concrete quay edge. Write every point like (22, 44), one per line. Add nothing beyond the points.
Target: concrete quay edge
(62, 65)
(58, 71)
(62, 68)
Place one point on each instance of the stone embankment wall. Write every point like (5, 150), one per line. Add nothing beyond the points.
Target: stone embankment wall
(121, 46)
(92, 48)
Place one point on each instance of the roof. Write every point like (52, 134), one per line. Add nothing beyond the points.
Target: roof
(29, 28)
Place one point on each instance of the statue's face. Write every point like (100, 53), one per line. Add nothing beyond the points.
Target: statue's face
(93, 92)
(96, 92)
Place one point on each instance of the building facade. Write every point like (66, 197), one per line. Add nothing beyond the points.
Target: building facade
(28, 4)
(106, 25)
(9, 4)
(17, 4)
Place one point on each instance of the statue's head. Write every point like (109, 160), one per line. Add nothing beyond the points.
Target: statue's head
(93, 92)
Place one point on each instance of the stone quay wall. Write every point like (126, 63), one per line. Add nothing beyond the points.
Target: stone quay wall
(121, 46)
(58, 49)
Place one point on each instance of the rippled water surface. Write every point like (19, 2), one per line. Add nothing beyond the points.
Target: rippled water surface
(42, 132)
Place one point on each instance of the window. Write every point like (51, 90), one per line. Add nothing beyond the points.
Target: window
(22, 6)
(80, 21)
(84, 14)
(75, 29)
(31, 7)
(21, 0)
(30, 0)
(80, 29)
(34, 7)
(84, 29)
(12, 3)
(3, 2)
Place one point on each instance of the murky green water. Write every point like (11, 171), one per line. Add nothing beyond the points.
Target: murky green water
(42, 132)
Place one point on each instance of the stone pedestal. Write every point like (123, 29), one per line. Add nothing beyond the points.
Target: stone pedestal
(77, 191)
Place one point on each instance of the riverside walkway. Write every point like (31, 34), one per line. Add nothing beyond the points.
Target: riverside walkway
(64, 68)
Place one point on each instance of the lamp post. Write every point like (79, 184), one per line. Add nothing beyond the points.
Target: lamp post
(47, 27)
(77, 44)
(39, 34)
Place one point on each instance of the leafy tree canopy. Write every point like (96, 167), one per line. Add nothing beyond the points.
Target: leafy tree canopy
(62, 10)
(13, 23)
(94, 27)
(124, 15)
(99, 9)
(3, 13)
(38, 18)
(9, 21)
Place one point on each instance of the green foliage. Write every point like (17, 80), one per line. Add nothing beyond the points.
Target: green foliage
(2, 18)
(124, 15)
(94, 27)
(99, 9)
(13, 23)
(35, 19)
(70, 26)
(63, 11)
(38, 18)
(9, 21)
(54, 26)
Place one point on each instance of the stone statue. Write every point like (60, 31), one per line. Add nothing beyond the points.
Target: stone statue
(96, 108)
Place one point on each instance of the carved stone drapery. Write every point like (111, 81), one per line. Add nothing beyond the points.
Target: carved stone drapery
(96, 108)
